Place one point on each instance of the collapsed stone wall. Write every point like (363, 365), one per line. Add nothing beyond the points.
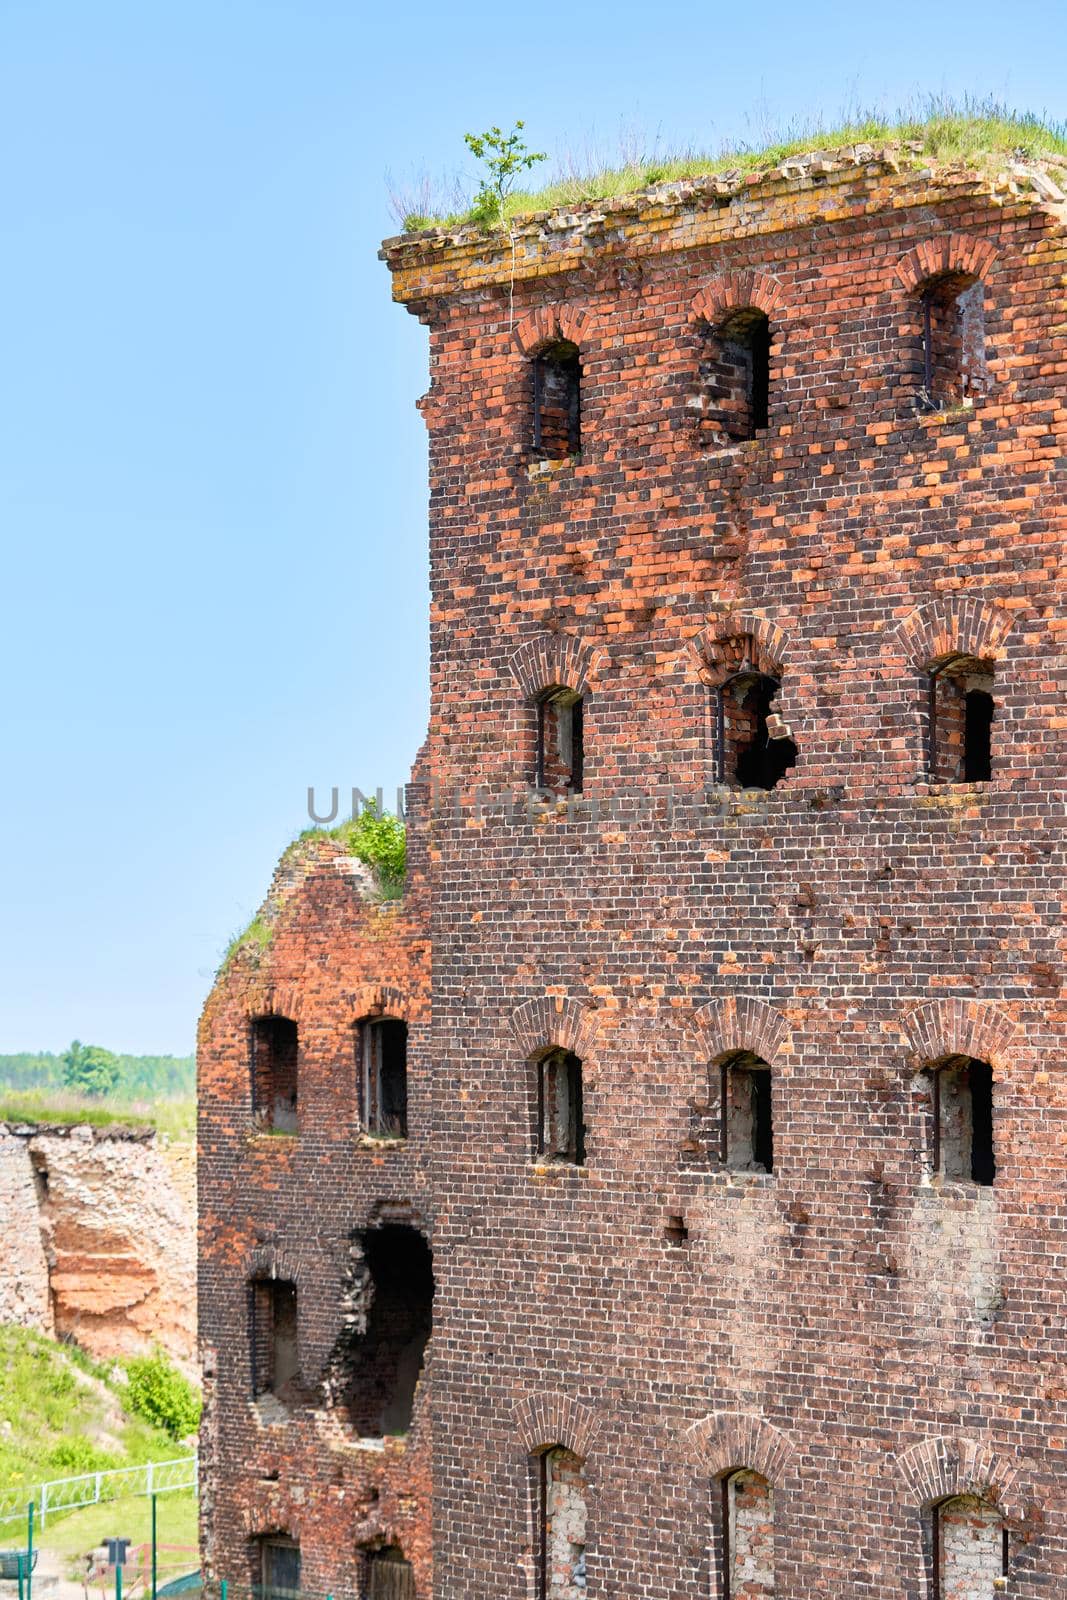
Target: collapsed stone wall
(99, 1237)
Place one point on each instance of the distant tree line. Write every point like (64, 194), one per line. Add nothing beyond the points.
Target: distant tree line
(91, 1069)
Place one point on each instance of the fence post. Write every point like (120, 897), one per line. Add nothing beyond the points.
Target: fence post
(150, 1488)
(118, 1580)
(18, 1565)
(225, 1589)
(97, 1486)
(44, 1504)
(153, 1547)
(29, 1552)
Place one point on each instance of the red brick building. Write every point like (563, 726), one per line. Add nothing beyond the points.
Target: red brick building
(738, 1130)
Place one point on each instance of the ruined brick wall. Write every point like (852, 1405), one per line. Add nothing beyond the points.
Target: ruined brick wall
(867, 1337)
(296, 1207)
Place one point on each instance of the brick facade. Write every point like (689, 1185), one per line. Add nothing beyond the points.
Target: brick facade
(860, 1335)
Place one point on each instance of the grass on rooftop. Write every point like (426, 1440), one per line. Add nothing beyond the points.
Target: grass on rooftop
(978, 132)
(174, 1117)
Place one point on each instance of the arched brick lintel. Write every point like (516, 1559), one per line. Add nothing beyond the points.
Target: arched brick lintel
(955, 253)
(768, 642)
(543, 1420)
(941, 1468)
(736, 291)
(741, 1022)
(975, 1028)
(554, 1021)
(953, 626)
(732, 1441)
(549, 324)
(554, 660)
(271, 1261)
(380, 1000)
(270, 1000)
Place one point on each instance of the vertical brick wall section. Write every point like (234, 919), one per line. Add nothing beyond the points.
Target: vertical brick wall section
(848, 1303)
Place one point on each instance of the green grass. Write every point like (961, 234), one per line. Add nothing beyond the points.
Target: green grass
(176, 1118)
(975, 131)
(62, 1414)
(73, 1535)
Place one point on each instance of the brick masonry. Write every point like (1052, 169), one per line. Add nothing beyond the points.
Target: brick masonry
(865, 1336)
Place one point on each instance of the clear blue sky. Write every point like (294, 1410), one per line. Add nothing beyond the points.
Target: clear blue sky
(212, 474)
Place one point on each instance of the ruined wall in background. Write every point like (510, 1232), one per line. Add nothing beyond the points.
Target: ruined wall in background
(98, 1240)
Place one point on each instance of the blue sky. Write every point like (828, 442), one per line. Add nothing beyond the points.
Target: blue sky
(212, 474)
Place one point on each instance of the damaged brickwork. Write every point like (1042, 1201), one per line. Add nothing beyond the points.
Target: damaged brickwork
(764, 1329)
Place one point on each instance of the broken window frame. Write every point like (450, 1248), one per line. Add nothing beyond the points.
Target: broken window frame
(574, 1153)
(935, 674)
(265, 1117)
(941, 291)
(983, 1156)
(370, 1039)
(542, 1520)
(740, 328)
(550, 355)
(567, 707)
(746, 671)
(762, 1091)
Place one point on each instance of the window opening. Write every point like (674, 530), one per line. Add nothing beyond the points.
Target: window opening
(382, 1358)
(561, 1526)
(748, 747)
(390, 1576)
(961, 709)
(384, 1046)
(736, 373)
(747, 1527)
(963, 1120)
(953, 341)
(274, 1337)
(274, 1073)
(557, 380)
(746, 1129)
(560, 1124)
(560, 741)
(279, 1566)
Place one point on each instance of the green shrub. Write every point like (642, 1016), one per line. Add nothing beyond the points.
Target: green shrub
(70, 1457)
(158, 1392)
(380, 840)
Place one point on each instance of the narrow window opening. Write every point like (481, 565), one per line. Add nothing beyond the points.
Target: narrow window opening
(962, 1092)
(735, 375)
(747, 1128)
(560, 741)
(274, 1055)
(970, 1549)
(382, 1357)
(561, 1526)
(277, 1567)
(390, 1575)
(383, 1046)
(274, 1338)
(747, 1537)
(953, 341)
(560, 1112)
(557, 402)
(960, 715)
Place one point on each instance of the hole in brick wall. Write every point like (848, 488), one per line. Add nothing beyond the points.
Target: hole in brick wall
(960, 713)
(382, 1357)
(753, 746)
(389, 1575)
(275, 1567)
(971, 1552)
(560, 741)
(746, 1133)
(560, 1112)
(747, 1537)
(273, 1044)
(274, 1338)
(962, 1116)
(675, 1231)
(952, 343)
(382, 1046)
(561, 1525)
(557, 401)
(735, 374)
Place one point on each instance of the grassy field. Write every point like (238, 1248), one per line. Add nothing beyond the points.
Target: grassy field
(174, 1117)
(74, 1535)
